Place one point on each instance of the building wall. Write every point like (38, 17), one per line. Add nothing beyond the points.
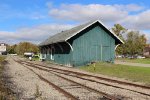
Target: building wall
(2, 48)
(94, 45)
(63, 54)
(146, 52)
(59, 53)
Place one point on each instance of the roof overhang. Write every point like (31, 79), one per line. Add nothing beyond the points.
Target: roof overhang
(119, 40)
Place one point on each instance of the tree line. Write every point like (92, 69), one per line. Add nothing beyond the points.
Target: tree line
(134, 41)
(22, 47)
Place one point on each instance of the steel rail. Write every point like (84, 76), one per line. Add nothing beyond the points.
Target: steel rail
(67, 94)
(82, 74)
(98, 77)
(90, 80)
(109, 97)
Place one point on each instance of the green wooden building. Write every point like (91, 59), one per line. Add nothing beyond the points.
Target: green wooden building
(81, 45)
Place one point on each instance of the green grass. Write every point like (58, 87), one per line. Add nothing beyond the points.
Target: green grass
(136, 74)
(5, 93)
(35, 58)
(144, 61)
(2, 58)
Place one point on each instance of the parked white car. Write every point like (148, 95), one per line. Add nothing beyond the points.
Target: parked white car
(119, 56)
(140, 57)
(28, 54)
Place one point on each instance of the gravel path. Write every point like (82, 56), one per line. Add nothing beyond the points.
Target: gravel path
(132, 64)
(27, 83)
(21, 78)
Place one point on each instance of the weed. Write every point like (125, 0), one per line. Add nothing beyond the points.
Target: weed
(38, 94)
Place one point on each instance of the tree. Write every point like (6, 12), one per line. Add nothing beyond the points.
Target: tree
(11, 49)
(23, 47)
(119, 30)
(134, 42)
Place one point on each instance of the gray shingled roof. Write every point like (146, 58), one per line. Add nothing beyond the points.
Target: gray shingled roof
(62, 36)
(65, 35)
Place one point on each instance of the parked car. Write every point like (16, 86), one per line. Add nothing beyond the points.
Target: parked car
(131, 57)
(119, 56)
(140, 57)
(28, 54)
(13, 54)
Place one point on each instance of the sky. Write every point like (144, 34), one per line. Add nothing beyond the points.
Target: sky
(36, 20)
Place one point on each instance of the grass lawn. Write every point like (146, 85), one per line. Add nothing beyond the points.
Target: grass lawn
(136, 74)
(35, 58)
(1, 67)
(144, 61)
(5, 93)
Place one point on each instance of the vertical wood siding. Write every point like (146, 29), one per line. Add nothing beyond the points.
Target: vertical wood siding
(94, 44)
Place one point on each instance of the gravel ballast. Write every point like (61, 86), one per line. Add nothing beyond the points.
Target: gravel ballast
(27, 82)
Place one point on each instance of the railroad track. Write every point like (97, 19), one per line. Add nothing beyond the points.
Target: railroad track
(78, 75)
(98, 77)
(49, 70)
(101, 95)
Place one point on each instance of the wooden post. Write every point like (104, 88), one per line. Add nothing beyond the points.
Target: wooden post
(94, 66)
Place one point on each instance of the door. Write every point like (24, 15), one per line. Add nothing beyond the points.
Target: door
(95, 53)
(106, 53)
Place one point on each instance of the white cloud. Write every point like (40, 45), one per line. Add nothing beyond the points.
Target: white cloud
(107, 13)
(147, 35)
(140, 21)
(34, 34)
(78, 12)
(130, 16)
(129, 7)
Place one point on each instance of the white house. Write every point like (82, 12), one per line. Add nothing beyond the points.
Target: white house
(2, 48)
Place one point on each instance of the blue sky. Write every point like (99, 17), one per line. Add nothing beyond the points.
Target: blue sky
(35, 20)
